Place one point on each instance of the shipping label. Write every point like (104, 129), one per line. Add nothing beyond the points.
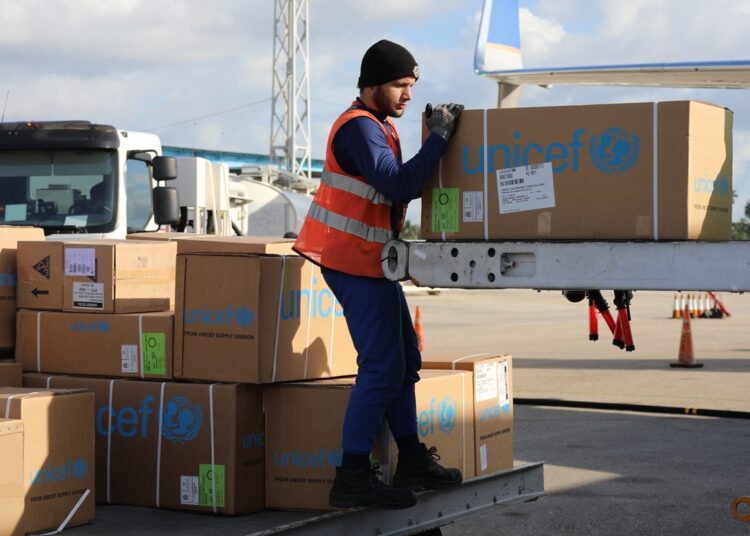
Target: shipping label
(473, 207)
(129, 358)
(80, 261)
(154, 354)
(485, 381)
(189, 490)
(445, 210)
(212, 485)
(525, 188)
(88, 295)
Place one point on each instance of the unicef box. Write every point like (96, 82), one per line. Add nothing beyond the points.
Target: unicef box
(304, 423)
(644, 171)
(58, 455)
(493, 406)
(256, 319)
(185, 446)
(119, 345)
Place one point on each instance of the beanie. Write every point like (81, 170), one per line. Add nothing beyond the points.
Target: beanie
(385, 61)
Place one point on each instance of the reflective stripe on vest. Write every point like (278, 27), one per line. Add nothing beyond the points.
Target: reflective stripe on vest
(348, 225)
(354, 187)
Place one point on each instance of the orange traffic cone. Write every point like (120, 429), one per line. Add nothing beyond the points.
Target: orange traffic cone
(676, 309)
(685, 358)
(418, 329)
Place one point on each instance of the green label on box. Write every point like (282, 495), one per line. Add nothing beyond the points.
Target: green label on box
(154, 350)
(445, 210)
(211, 485)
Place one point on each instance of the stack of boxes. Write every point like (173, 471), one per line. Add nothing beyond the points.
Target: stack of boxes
(233, 400)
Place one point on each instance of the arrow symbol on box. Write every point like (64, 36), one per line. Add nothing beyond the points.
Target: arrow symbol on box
(36, 292)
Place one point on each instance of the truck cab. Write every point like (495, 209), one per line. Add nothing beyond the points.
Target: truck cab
(76, 177)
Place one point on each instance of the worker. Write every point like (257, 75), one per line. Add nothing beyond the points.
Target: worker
(360, 205)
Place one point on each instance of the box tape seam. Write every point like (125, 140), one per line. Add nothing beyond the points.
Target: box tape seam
(655, 171)
(486, 176)
(278, 318)
(213, 444)
(38, 341)
(463, 421)
(140, 344)
(453, 363)
(7, 404)
(158, 444)
(309, 319)
(109, 441)
(70, 515)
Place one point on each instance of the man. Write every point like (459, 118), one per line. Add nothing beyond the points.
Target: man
(360, 205)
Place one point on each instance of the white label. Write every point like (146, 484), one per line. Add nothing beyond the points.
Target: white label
(76, 220)
(129, 355)
(80, 261)
(483, 457)
(88, 295)
(485, 381)
(189, 490)
(502, 383)
(525, 188)
(473, 206)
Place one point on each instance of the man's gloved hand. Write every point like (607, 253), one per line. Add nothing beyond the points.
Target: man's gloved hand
(442, 118)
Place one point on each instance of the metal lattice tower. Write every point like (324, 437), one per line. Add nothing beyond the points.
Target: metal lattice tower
(290, 111)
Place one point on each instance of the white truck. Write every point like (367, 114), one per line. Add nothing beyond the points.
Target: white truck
(76, 177)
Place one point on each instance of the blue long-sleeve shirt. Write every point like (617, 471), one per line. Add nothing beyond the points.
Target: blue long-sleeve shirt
(361, 148)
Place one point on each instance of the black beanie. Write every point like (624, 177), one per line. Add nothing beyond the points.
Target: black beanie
(385, 61)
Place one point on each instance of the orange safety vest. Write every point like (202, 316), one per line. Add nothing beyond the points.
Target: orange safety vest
(349, 221)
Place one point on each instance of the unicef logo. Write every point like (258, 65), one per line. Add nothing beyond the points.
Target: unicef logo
(80, 468)
(104, 326)
(615, 150)
(243, 316)
(447, 415)
(182, 420)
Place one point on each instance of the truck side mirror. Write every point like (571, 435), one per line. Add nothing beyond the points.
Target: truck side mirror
(166, 206)
(164, 168)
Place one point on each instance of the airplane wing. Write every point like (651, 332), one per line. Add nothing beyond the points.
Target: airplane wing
(709, 74)
(498, 56)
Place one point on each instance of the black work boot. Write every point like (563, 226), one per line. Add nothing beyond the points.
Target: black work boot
(361, 487)
(421, 471)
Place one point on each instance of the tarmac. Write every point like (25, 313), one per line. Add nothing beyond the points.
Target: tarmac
(610, 468)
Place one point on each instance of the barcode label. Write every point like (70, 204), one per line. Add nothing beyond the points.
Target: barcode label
(80, 261)
(525, 188)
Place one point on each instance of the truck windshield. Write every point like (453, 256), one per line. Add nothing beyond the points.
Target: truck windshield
(60, 190)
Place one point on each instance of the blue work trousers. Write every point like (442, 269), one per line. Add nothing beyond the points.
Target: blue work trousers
(388, 359)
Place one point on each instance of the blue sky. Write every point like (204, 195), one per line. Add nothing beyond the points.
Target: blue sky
(147, 64)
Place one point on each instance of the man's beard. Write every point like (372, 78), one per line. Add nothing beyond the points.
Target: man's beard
(382, 103)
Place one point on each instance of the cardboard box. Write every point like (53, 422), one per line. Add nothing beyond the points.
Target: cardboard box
(493, 406)
(205, 430)
(257, 319)
(97, 276)
(11, 375)
(606, 176)
(304, 422)
(445, 419)
(58, 456)
(195, 243)
(121, 345)
(9, 237)
(11, 477)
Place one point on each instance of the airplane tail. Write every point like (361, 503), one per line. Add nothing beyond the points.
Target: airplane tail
(499, 40)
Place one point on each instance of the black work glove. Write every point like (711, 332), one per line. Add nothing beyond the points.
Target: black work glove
(442, 118)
